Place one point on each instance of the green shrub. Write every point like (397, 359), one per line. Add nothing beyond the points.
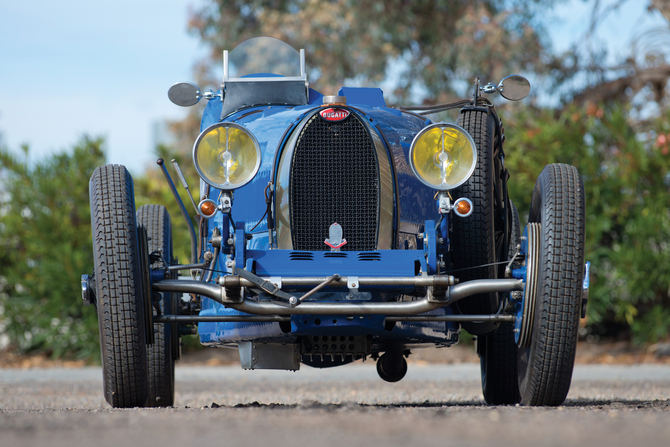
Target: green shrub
(626, 173)
(45, 247)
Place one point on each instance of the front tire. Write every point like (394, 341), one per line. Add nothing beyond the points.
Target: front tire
(545, 368)
(155, 220)
(476, 239)
(119, 302)
(498, 350)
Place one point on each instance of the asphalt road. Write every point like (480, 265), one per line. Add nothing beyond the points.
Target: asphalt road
(347, 406)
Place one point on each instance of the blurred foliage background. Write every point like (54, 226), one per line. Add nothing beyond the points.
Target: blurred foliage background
(611, 120)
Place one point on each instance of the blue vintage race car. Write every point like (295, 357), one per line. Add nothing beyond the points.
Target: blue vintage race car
(335, 228)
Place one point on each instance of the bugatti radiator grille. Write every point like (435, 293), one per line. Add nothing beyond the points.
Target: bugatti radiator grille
(334, 178)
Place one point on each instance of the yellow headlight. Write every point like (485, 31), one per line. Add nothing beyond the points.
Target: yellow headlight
(226, 156)
(443, 156)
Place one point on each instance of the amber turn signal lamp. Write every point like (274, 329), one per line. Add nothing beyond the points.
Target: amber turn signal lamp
(207, 208)
(463, 207)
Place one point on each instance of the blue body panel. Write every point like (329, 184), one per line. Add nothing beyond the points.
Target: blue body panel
(384, 263)
(361, 96)
(414, 205)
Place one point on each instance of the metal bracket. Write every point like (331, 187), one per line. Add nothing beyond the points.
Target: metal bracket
(293, 301)
(225, 202)
(266, 286)
(88, 289)
(430, 246)
(276, 280)
(240, 245)
(444, 203)
(256, 355)
(437, 295)
(585, 288)
(231, 290)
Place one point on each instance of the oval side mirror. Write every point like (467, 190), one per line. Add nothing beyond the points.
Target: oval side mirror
(184, 94)
(514, 87)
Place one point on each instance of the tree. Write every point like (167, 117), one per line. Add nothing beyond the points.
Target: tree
(45, 247)
(422, 46)
(586, 74)
(625, 166)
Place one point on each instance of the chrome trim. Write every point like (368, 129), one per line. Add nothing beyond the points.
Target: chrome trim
(221, 319)
(328, 281)
(302, 77)
(463, 199)
(287, 319)
(184, 94)
(443, 125)
(228, 186)
(216, 206)
(442, 281)
(200, 265)
(495, 318)
(282, 186)
(519, 88)
(386, 193)
(86, 291)
(341, 100)
(454, 293)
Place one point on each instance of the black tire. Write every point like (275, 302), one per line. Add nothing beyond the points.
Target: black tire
(474, 237)
(498, 350)
(155, 220)
(545, 368)
(118, 287)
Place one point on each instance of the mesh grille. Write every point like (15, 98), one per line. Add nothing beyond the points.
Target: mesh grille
(334, 178)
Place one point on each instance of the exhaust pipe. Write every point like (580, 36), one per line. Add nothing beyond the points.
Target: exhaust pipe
(454, 293)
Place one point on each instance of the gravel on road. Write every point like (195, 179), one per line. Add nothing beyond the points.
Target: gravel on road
(433, 405)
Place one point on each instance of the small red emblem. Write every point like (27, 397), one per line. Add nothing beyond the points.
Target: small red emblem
(334, 114)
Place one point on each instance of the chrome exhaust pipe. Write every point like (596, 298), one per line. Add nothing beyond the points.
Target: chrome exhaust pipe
(453, 293)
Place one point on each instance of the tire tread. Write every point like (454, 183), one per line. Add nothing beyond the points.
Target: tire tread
(156, 220)
(120, 312)
(560, 282)
(473, 243)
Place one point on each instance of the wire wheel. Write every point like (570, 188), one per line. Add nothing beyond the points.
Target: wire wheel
(525, 328)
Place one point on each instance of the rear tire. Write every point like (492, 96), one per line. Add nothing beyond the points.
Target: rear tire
(155, 220)
(498, 350)
(120, 306)
(545, 368)
(474, 237)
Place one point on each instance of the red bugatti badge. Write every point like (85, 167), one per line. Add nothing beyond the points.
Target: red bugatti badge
(334, 114)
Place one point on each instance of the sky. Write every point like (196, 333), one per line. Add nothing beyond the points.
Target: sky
(77, 67)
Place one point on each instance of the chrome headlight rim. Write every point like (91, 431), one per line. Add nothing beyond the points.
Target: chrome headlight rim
(227, 186)
(428, 129)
